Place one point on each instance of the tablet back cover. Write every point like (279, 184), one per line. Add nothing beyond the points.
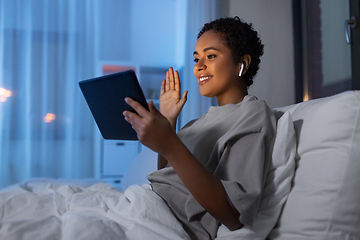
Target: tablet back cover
(105, 97)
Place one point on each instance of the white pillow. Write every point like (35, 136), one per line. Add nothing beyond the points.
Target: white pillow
(144, 164)
(277, 186)
(325, 200)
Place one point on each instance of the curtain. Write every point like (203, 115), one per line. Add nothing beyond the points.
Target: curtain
(46, 129)
(46, 48)
(198, 13)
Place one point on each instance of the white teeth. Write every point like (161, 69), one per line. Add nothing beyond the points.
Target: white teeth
(204, 78)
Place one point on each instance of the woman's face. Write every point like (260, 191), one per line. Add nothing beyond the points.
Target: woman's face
(215, 70)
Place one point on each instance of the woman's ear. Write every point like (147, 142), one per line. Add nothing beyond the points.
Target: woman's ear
(244, 65)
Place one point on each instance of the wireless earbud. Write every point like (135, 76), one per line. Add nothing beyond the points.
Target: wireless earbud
(242, 69)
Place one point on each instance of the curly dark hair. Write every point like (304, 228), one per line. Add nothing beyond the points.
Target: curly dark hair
(242, 39)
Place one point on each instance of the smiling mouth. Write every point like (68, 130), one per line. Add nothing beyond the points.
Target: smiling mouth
(203, 80)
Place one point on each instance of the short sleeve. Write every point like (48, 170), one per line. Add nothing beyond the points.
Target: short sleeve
(242, 169)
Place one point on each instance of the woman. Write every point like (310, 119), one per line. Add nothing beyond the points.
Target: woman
(213, 171)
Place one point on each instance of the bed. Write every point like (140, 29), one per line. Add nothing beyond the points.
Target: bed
(311, 190)
(67, 209)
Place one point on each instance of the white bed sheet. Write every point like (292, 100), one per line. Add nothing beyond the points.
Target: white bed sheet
(53, 209)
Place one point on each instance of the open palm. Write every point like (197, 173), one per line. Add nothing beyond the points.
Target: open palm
(171, 102)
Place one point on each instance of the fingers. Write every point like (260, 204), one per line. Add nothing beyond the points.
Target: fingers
(177, 81)
(131, 118)
(152, 107)
(137, 120)
(141, 111)
(167, 83)
(183, 98)
(172, 78)
(144, 126)
(162, 88)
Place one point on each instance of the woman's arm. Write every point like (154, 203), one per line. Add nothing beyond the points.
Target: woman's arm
(155, 131)
(206, 189)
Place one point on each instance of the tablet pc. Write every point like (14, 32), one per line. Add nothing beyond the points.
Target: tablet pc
(105, 97)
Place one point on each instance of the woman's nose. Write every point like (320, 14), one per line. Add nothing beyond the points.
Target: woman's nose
(200, 66)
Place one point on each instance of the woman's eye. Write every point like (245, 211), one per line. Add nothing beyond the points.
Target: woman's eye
(211, 56)
(196, 60)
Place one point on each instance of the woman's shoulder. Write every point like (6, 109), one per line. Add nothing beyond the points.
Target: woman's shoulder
(256, 113)
(251, 105)
(253, 101)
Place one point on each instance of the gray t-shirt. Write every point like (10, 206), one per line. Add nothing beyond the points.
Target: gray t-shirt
(234, 142)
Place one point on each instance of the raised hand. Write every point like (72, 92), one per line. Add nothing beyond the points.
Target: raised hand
(171, 102)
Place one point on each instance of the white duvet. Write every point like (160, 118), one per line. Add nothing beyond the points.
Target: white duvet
(50, 209)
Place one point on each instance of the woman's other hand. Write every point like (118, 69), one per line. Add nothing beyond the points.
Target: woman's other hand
(171, 102)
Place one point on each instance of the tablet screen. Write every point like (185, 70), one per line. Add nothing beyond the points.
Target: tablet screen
(105, 97)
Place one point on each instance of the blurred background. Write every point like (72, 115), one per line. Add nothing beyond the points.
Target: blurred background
(48, 46)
